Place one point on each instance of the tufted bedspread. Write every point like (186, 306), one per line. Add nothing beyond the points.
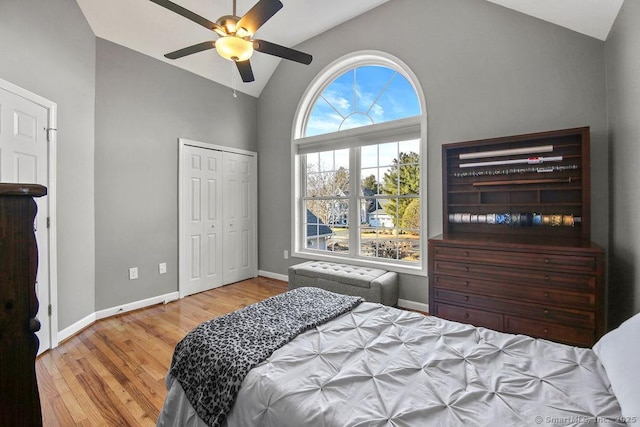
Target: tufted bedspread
(381, 366)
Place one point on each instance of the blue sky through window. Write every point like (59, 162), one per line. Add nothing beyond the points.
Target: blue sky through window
(361, 97)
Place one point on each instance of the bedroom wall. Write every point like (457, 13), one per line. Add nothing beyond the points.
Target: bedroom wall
(623, 90)
(143, 106)
(47, 47)
(486, 71)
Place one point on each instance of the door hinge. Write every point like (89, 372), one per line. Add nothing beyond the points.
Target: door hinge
(48, 222)
(49, 133)
(49, 310)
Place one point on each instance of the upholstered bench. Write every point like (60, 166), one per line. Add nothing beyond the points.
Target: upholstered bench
(372, 284)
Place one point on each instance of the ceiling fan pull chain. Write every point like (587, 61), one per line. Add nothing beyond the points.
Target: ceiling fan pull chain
(234, 8)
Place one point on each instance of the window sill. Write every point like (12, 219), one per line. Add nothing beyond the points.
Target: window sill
(414, 270)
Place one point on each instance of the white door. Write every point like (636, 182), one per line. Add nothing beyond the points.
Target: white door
(201, 244)
(238, 216)
(24, 159)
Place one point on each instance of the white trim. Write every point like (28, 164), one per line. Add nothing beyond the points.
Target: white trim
(401, 129)
(136, 305)
(182, 143)
(413, 305)
(52, 109)
(275, 276)
(319, 83)
(87, 321)
(411, 269)
(70, 331)
(207, 146)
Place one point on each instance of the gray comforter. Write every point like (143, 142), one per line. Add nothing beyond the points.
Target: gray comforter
(380, 366)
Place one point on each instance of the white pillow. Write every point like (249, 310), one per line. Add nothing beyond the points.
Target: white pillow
(619, 353)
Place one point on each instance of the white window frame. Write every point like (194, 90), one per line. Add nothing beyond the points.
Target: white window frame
(391, 131)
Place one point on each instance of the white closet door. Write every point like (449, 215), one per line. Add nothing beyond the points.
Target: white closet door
(201, 246)
(24, 159)
(239, 217)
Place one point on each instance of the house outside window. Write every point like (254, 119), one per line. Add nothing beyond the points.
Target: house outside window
(359, 157)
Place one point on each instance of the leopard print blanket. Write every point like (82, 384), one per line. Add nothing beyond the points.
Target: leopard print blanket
(212, 360)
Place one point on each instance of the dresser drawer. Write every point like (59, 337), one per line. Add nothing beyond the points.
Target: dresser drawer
(567, 334)
(527, 259)
(517, 308)
(468, 315)
(511, 275)
(518, 291)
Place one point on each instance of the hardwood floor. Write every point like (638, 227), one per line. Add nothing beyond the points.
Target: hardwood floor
(112, 373)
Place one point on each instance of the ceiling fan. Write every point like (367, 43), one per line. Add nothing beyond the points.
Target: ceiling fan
(236, 42)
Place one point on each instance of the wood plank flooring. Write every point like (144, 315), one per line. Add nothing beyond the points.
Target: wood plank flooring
(112, 373)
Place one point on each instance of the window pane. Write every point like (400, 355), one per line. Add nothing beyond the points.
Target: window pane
(409, 180)
(342, 159)
(323, 119)
(340, 94)
(411, 146)
(388, 154)
(369, 156)
(371, 82)
(326, 161)
(327, 225)
(399, 88)
(370, 182)
(333, 180)
(360, 97)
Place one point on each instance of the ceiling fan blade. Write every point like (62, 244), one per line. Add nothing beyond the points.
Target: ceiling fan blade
(244, 67)
(281, 51)
(191, 50)
(188, 14)
(259, 14)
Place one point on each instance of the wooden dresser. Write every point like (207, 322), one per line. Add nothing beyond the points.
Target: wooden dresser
(19, 397)
(515, 254)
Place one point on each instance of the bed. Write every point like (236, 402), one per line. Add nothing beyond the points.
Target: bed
(366, 364)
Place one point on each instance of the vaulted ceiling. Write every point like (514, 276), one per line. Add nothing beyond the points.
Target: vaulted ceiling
(152, 30)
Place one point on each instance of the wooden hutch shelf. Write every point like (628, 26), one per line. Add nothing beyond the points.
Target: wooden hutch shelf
(515, 253)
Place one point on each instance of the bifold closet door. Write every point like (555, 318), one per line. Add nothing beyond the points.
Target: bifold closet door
(218, 242)
(239, 195)
(202, 233)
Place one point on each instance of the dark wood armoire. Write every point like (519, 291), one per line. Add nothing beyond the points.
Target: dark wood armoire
(19, 397)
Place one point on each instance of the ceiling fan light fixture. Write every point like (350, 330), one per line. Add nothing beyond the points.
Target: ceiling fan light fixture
(234, 48)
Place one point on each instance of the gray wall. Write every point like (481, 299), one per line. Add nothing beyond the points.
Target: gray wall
(623, 90)
(486, 71)
(142, 107)
(47, 47)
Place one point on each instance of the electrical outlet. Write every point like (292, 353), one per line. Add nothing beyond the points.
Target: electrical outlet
(162, 268)
(286, 254)
(133, 273)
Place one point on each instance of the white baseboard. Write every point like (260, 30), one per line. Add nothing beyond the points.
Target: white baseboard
(102, 314)
(75, 328)
(413, 305)
(271, 275)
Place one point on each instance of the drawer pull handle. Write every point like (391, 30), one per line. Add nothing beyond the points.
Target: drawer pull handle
(546, 260)
(546, 294)
(547, 278)
(466, 254)
(466, 315)
(546, 331)
(546, 312)
(466, 298)
(466, 269)
(466, 283)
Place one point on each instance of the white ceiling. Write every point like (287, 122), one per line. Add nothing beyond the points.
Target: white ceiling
(591, 17)
(152, 30)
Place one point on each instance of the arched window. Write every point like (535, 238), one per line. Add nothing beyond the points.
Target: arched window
(359, 153)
